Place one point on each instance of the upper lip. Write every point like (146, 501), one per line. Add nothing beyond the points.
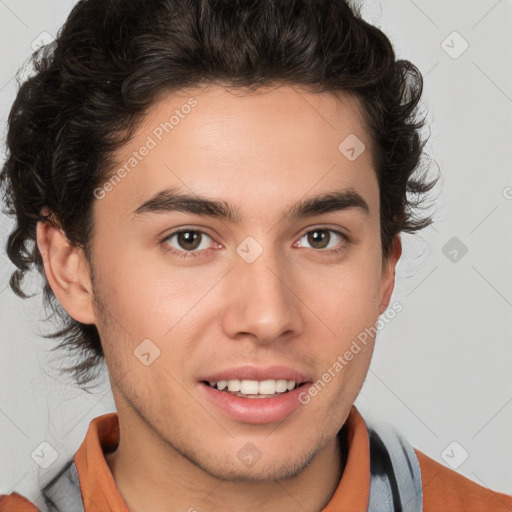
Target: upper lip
(258, 373)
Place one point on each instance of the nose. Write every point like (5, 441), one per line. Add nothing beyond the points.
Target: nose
(263, 304)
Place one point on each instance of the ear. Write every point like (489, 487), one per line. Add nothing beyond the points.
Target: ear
(67, 271)
(387, 283)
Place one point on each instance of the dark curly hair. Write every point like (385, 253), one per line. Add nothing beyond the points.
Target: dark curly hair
(111, 60)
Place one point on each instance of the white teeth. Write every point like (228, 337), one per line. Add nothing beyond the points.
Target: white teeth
(233, 385)
(281, 385)
(254, 387)
(249, 387)
(267, 387)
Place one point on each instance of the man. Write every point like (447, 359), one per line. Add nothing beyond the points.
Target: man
(216, 191)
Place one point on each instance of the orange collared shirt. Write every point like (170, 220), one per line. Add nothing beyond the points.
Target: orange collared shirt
(443, 489)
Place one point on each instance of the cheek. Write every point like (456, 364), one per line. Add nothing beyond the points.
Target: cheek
(347, 309)
(141, 297)
(346, 299)
(168, 306)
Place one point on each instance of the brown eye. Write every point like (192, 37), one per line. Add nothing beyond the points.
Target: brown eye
(322, 238)
(319, 238)
(187, 241)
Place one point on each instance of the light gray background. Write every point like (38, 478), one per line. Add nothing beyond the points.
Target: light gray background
(441, 369)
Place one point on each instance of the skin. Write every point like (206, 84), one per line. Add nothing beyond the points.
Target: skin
(294, 305)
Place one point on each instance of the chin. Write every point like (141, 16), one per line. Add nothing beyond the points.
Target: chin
(265, 469)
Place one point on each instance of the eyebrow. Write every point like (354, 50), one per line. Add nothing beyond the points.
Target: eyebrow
(172, 200)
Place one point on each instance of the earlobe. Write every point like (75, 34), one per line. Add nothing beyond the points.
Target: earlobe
(388, 273)
(67, 272)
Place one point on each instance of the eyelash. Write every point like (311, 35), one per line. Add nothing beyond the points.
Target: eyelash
(183, 254)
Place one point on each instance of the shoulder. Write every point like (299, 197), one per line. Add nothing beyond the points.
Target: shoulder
(16, 503)
(445, 489)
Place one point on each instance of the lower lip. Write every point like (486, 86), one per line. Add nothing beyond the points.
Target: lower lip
(255, 410)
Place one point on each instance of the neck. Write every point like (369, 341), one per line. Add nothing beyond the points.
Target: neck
(154, 476)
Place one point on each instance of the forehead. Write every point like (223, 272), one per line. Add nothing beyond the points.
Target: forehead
(269, 143)
(226, 118)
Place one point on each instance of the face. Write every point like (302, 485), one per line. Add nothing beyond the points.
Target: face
(258, 290)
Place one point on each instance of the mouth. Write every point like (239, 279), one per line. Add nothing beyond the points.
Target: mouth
(255, 400)
(254, 389)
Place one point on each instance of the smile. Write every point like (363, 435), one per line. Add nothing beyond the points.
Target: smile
(254, 408)
(254, 388)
